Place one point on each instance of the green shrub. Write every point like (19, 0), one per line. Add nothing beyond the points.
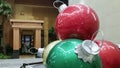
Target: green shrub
(2, 56)
(52, 34)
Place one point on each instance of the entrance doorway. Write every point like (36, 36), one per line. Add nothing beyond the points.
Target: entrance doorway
(27, 41)
(26, 31)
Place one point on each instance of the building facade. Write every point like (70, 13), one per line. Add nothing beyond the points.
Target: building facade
(28, 27)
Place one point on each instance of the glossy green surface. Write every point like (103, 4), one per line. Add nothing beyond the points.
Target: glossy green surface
(48, 49)
(62, 55)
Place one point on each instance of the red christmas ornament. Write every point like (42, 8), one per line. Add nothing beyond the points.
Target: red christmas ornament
(110, 54)
(77, 21)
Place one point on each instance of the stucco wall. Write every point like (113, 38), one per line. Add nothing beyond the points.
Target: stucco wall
(31, 12)
(109, 15)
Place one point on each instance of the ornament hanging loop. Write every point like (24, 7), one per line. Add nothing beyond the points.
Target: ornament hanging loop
(90, 46)
(61, 7)
(88, 49)
(102, 38)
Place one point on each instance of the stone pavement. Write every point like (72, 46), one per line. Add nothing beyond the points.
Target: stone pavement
(17, 63)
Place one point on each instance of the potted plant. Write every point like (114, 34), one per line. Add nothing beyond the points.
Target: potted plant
(52, 34)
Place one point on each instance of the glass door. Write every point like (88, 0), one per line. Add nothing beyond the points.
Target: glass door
(27, 41)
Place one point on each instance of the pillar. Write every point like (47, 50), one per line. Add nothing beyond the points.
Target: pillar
(16, 42)
(37, 38)
(46, 32)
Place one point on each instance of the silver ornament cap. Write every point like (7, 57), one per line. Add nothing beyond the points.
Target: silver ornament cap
(87, 50)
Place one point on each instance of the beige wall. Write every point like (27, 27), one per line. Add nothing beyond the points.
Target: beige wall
(31, 12)
(109, 15)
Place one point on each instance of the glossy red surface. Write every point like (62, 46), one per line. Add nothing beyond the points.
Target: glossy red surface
(77, 21)
(110, 54)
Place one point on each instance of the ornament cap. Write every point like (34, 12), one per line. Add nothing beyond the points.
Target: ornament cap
(61, 7)
(87, 50)
(91, 47)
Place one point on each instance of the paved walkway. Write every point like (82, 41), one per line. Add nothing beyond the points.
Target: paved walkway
(17, 63)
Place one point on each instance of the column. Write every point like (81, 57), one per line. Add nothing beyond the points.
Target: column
(45, 31)
(16, 42)
(37, 38)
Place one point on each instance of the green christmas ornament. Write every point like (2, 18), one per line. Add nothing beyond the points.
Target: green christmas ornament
(48, 49)
(63, 55)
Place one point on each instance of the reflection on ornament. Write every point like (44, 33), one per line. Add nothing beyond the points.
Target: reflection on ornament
(77, 21)
(48, 49)
(63, 56)
(110, 54)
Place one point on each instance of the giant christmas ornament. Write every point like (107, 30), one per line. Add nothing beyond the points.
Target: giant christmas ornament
(48, 49)
(63, 55)
(77, 21)
(110, 54)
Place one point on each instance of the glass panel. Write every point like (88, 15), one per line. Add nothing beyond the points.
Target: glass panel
(27, 42)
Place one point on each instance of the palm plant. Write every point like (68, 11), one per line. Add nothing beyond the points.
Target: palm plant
(5, 12)
(5, 8)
